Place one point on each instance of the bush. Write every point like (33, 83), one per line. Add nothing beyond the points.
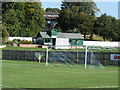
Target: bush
(9, 42)
(3, 40)
(16, 40)
(19, 41)
(25, 42)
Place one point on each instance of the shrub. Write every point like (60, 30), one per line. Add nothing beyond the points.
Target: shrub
(9, 42)
(19, 41)
(25, 42)
(16, 40)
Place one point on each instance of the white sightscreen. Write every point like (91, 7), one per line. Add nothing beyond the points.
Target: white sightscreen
(62, 43)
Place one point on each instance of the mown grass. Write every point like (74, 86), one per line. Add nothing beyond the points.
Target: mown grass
(30, 74)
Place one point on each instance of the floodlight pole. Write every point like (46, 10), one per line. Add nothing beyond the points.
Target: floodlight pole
(47, 57)
(86, 57)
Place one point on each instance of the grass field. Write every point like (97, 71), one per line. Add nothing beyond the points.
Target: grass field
(30, 74)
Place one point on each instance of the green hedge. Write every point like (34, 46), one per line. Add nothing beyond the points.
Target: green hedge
(20, 41)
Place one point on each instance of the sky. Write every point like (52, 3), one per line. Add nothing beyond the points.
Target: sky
(110, 8)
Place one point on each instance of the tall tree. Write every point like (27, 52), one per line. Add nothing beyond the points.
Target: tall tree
(13, 16)
(116, 30)
(69, 17)
(106, 26)
(5, 33)
(34, 17)
(85, 24)
(23, 18)
(87, 7)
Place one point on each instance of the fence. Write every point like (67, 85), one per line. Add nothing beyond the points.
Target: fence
(74, 56)
(2, 46)
(101, 43)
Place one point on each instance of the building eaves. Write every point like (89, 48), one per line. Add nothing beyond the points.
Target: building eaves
(51, 13)
(44, 35)
(70, 35)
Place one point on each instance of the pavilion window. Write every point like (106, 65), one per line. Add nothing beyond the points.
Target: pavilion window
(47, 40)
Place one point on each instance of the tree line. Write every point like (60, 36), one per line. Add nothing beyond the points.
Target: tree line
(81, 17)
(26, 19)
(23, 19)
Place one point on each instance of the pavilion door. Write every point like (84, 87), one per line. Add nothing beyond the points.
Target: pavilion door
(54, 41)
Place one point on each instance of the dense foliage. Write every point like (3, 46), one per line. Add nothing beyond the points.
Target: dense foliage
(18, 41)
(81, 17)
(26, 19)
(107, 27)
(23, 18)
(77, 17)
(52, 9)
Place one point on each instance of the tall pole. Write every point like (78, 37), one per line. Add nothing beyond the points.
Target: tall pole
(86, 57)
(47, 57)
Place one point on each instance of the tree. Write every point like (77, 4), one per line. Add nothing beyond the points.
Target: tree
(52, 9)
(85, 24)
(34, 18)
(5, 33)
(106, 26)
(116, 30)
(87, 7)
(23, 18)
(69, 17)
(13, 16)
(12, 22)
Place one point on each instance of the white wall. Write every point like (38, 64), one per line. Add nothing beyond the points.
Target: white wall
(101, 43)
(21, 38)
(88, 43)
(2, 46)
(62, 43)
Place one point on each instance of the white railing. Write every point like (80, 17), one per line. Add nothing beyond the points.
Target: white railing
(101, 43)
(2, 46)
(21, 38)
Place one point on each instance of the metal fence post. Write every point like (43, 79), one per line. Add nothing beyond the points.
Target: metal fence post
(77, 56)
(105, 59)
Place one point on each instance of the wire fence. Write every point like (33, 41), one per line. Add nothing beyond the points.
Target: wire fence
(72, 56)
